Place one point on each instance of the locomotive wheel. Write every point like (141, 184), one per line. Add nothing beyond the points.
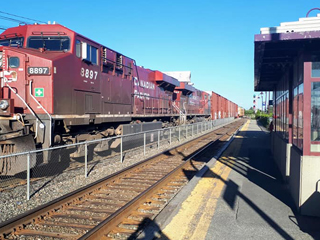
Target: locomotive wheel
(80, 152)
(12, 165)
(102, 146)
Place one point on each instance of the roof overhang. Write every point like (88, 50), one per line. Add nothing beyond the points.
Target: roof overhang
(276, 48)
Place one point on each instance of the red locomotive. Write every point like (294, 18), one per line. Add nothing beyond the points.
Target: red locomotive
(58, 86)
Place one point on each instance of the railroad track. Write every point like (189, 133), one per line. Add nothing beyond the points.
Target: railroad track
(118, 206)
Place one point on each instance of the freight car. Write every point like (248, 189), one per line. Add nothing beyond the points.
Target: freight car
(60, 87)
(222, 107)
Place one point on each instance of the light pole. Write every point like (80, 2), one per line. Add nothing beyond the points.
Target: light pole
(261, 101)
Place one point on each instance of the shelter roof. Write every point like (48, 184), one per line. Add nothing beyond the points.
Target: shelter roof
(275, 49)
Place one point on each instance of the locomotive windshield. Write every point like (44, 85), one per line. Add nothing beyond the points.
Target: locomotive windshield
(50, 43)
(12, 42)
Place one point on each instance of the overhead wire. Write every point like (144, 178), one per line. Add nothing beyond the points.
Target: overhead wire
(3, 27)
(14, 15)
(16, 18)
(12, 19)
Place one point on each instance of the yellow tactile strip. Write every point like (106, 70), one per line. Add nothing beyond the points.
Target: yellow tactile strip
(194, 217)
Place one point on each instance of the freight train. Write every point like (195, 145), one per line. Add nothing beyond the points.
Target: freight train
(60, 87)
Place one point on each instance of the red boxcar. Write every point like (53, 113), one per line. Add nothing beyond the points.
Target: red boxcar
(214, 106)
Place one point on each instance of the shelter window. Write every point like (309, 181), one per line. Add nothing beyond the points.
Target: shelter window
(92, 54)
(50, 43)
(295, 117)
(297, 133)
(14, 62)
(282, 110)
(315, 69)
(12, 42)
(315, 116)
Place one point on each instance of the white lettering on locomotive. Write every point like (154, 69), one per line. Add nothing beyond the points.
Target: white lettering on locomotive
(193, 100)
(141, 95)
(87, 73)
(144, 84)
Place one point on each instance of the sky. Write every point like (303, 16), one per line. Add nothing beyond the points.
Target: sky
(212, 39)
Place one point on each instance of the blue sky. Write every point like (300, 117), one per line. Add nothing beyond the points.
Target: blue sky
(212, 39)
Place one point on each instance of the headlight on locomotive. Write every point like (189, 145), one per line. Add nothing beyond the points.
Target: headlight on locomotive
(4, 104)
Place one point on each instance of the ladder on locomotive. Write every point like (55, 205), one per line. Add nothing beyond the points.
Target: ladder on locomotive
(183, 115)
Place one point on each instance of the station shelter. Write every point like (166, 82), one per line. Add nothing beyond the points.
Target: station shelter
(287, 62)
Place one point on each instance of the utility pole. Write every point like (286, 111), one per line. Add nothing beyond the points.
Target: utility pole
(261, 101)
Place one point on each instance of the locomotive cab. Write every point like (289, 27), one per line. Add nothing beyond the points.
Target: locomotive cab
(27, 59)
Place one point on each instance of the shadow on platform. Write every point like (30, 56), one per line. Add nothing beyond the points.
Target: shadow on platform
(259, 168)
(152, 231)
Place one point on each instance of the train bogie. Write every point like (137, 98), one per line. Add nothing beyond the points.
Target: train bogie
(12, 165)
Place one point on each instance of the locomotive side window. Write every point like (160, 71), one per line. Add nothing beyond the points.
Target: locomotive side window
(14, 62)
(12, 42)
(92, 53)
(51, 43)
(78, 48)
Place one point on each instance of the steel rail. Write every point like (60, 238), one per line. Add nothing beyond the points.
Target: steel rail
(113, 220)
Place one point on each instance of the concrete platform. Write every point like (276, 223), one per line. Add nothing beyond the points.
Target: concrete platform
(239, 195)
